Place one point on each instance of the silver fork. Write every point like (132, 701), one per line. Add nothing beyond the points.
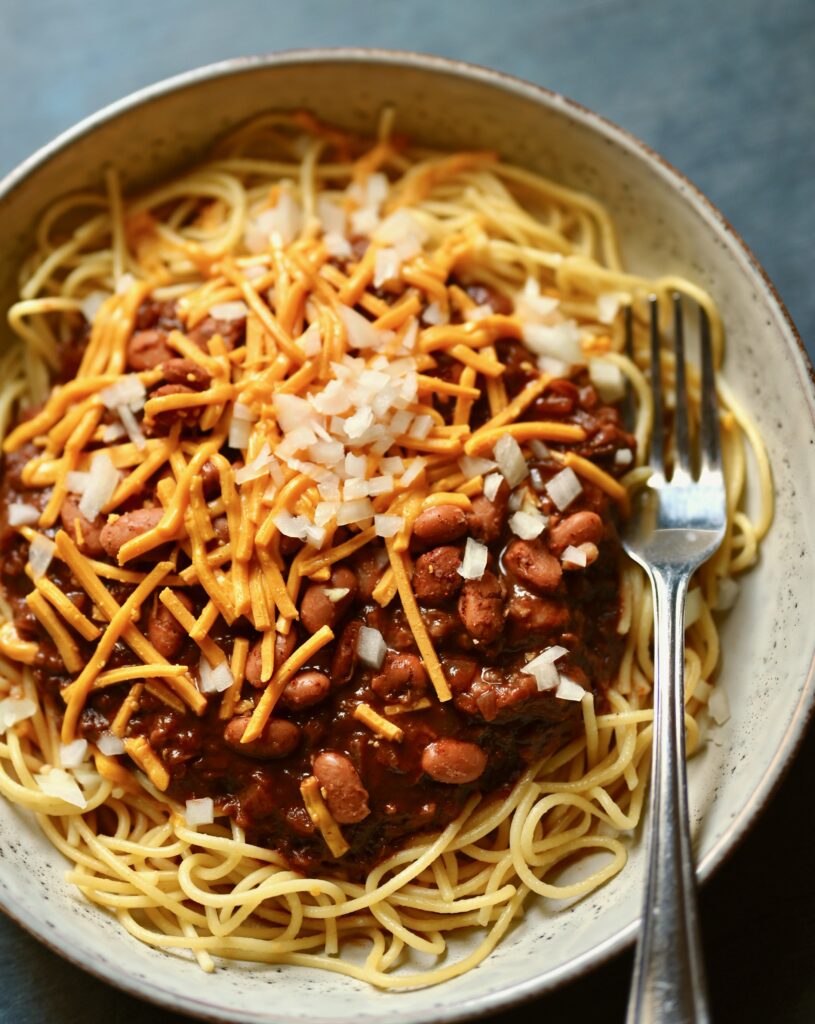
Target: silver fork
(677, 524)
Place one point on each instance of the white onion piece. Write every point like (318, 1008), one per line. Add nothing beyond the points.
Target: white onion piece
(479, 312)
(371, 647)
(239, 433)
(388, 526)
(228, 311)
(361, 332)
(693, 606)
(623, 457)
(103, 479)
(214, 679)
(243, 412)
(608, 305)
(527, 525)
(474, 561)
(608, 379)
(539, 449)
(354, 489)
(531, 302)
(387, 266)
(200, 811)
(291, 412)
(332, 215)
(14, 710)
(558, 341)
(335, 594)
(545, 674)
(354, 511)
(22, 514)
(510, 459)
(40, 552)
(110, 745)
(553, 367)
(574, 556)
(421, 427)
(356, 425)
(131, 425)
(58, 783)
(727, 592)
(292, 526)
(563, 488)
(568, 689)
(71, 755)
(325, 512)
(113, 432)
(258, 467)
(471, 465)
(719, 706)
(128, 390)
(413, 472)
(399, 226)
(311, 340)
(433, 315)
(401, 421)
(92, 303)
(548, 655)
(284, 219)
(492, 485)
(338, 246)
(76, 481)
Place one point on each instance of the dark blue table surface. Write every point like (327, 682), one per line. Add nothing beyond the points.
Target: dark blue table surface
(725, 89)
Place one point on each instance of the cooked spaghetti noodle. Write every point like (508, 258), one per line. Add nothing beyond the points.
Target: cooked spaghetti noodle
(295, 246)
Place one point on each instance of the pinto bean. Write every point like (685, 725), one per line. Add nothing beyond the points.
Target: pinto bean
(453, 761)
(278, 739)
(485, 520)
(402, 675)
(369, 564)
(164, 631)
(211, 479)
(148, 349)
(435, 575)
(186, 415)
(305, 690)
(232, 331)
(533, 564)
(127, 527)
(460, 672)
(440, 524)
(221, 527)
(186, 372)
(88, 531)
(576, 529)
(480, 607)
(530, 615)
(283, 647)
(318, 610)
(345, 795)
(344, 661)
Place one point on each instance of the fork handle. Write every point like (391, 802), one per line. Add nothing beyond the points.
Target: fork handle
(668, 985)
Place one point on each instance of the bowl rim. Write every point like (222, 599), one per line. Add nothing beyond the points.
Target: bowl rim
(803, 712)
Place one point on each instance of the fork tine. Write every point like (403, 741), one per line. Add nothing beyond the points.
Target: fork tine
(710, 444)
(682, 428)
(656, 457)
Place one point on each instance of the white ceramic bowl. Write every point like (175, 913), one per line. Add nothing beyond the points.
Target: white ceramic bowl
(768, 640)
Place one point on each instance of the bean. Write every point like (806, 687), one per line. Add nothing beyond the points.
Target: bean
(460, 673)
(481, 607)
(345, 795)
(305, 690)
(186, 372)
(440, 524)
(435, 575)
(221, 527)
(148, 349)
(453, 761)
(87, 537)
(533, 564)
(532, 615)
(127, 527)
(283, 646)
(211, 479)
(316, 607)
(402, 676)
(369, 564)
(485, 520)
(232, 332)
(164, 631)
(278, 739)
(576, 529)
(344, 661)
(168, 418)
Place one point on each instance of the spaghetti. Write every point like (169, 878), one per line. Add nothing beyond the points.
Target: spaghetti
(315, 626)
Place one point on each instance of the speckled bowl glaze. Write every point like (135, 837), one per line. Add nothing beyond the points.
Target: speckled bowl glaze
(768, 639)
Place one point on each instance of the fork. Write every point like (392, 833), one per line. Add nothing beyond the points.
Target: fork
(677, 523)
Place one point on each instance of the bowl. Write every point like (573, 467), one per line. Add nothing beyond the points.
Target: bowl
(768, 640)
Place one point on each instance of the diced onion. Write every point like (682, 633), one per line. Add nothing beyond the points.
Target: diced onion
(474, 561)
(492, 484)
(71, 755)
(545, 674)
(574, 556)
(311, 341)
(563, 488)
(131, 425)
(510, 459)
(40, 552)
(332, 215)
(371, 647)
(237, 310)
(531, 302)
(292, 526)
(471, 466)
(58, 783)
(558, 341)
(354, 511)
(103, 479)
(361, 332)
(356, 425)
(110, 745)
(413, 472)
(421, 427)
(608, 304)
(335, 594)
(200, 811)
(214, 680)
(284, 219)
(22, 514)
(92, 303)
(14, 710)
(693, 606)
(113, 432)
(527, 525)
(623, 457)
(388, 526)
(258, 467)
(608, 379)
(726, 593)
(239, 433)
(479, 312)
(398, 227)
(387, 266)
(568, 689)
(128, 391)
(719, 706)
(432, 315)
(291, 412)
